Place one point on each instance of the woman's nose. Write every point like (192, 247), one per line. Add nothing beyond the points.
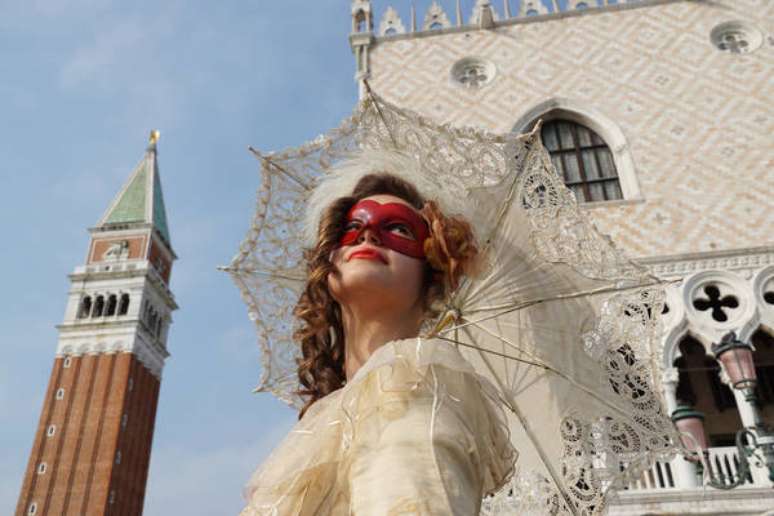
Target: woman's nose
(370, 236)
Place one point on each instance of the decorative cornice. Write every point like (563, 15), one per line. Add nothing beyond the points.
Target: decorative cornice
(728, 260)
(114, 273)
(152, 358)
(111, 322)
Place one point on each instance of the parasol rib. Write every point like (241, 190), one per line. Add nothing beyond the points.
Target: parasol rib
(235, 271)
(271, 163)
(379, 111)
(506, 309)
(492, 352)
(530, 433)
(559, 373)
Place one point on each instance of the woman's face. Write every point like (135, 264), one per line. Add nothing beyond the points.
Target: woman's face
(380, 260)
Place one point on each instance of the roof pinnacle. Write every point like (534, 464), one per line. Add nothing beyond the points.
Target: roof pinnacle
(153, 139)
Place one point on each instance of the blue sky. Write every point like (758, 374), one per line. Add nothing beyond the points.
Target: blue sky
(84, 81)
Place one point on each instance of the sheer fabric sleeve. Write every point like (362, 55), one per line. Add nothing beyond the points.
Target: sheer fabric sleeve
(427, 439)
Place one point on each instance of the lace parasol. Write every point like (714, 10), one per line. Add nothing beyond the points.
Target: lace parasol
(559, 319)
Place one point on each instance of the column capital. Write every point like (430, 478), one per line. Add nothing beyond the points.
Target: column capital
(670, 377)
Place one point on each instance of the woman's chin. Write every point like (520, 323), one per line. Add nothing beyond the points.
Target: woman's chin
(370, 281)
(365, 279)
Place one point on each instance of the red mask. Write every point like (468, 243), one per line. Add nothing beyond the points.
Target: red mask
(398, 227)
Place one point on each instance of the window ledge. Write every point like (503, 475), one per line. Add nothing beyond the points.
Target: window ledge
(610, 204)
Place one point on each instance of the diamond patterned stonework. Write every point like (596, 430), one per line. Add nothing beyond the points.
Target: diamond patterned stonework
(697, 120)
(682, 92)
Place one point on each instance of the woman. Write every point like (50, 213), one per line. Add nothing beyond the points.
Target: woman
(394, 423)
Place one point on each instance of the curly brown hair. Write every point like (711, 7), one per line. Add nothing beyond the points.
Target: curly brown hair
(450, 250)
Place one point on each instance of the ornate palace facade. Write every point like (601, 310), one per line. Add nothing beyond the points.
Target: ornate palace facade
(659, 115)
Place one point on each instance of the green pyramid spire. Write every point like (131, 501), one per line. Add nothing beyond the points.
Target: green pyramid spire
(159, 212)
(141, 199)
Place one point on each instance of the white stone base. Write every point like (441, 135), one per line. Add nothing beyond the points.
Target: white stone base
(736, 502)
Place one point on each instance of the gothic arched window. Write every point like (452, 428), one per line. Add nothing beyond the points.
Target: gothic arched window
(764, 366)
(701, 388)
(583, 159)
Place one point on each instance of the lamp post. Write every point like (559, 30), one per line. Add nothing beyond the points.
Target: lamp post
(690, 423)
(754, 443)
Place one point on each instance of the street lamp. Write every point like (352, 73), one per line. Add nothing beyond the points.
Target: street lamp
(690, 423)
(755, 443)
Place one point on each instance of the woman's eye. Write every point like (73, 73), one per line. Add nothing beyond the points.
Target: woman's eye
(402, 230)
(352, 225)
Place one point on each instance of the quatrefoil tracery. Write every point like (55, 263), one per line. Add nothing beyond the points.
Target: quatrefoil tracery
(715, 302)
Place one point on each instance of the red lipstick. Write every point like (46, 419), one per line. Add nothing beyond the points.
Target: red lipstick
(367, 254)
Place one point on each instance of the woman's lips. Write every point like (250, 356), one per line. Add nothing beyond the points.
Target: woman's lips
(367, 254)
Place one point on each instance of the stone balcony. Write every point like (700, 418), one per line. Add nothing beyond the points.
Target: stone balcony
(676, 488)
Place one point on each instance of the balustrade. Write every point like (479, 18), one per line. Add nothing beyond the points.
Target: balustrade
(723, 464)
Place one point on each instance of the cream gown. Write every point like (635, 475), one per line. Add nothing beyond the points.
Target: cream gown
(415, 432)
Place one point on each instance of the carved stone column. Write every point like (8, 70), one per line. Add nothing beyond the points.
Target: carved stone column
(685, 473)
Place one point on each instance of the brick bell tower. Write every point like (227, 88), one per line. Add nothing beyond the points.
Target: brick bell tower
(92, 446)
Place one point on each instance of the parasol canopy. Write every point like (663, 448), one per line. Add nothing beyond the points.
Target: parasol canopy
(558, 319)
